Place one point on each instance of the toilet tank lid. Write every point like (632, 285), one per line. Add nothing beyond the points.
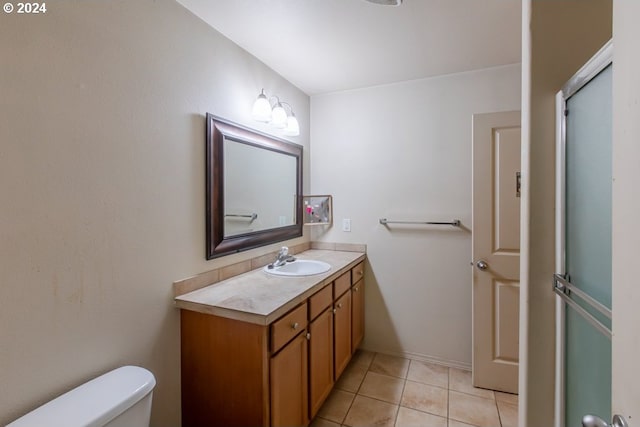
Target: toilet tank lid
(93, 403)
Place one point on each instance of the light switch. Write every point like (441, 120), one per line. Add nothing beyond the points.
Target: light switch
(346, 224)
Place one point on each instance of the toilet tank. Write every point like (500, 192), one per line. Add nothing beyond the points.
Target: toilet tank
(120, 398)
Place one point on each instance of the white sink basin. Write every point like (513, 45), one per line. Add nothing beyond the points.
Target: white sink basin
(299, 267)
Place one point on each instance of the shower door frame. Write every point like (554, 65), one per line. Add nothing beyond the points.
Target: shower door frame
(601, 60)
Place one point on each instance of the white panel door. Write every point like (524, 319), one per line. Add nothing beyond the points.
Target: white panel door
(496, 250)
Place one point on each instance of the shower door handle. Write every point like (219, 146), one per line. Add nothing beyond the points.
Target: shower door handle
(595, 421)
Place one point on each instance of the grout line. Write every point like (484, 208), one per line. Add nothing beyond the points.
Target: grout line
(448, 405)
(404, 386)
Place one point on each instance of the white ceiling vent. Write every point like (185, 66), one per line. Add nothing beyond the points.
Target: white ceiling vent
(386, 2)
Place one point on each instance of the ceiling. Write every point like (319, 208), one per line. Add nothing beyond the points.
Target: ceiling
(331, 45)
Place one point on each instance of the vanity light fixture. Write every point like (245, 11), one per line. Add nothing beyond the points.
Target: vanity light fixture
(271, 110)
(293, 128)
(278, 116)
(262, 108)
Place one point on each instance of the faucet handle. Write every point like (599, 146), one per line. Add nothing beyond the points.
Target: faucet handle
(284, 251)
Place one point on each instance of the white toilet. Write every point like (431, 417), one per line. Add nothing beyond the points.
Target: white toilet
(120, 398)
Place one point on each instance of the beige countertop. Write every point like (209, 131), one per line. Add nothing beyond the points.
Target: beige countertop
(259, 297)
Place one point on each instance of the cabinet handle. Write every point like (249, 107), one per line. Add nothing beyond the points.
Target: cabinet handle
(295, 326)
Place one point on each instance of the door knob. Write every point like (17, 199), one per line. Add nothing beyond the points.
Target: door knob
(482, 265)
(595, 421)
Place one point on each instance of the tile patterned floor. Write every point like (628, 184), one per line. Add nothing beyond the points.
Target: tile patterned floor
(382, 390)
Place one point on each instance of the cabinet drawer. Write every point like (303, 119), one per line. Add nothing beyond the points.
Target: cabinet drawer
(319, 301)
(341, 284)
(357, 273)
(288, 326)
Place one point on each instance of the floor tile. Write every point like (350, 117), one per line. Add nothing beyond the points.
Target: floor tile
(460, 380)
(454, 423)
(508, 414)
(362, 357)
(336, 406)
(382, 387)
(367, 412)
(390, 365)
(473, 410)
(428, 373)
(352, 377)
(412, 418)
(507, 397)
(367, 395)
(321, 422)
(424, 397)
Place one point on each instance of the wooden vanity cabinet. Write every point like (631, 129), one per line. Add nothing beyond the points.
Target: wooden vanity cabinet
(357, 306)
(320, 348)
(236, 373)
(320, 360)
(289, 384)
(224, 370)
(342, 324)
(288, 369)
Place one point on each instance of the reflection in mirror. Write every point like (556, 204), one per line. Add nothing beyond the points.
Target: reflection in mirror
(317, 210)
(259, 188)
(253, 188)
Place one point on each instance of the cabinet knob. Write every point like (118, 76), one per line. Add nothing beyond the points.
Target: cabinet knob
(335, 311)
(355, 289)
(308, 336)
(295, 326)
(340, 305)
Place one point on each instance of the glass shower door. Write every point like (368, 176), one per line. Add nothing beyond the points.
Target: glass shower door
(584, 282)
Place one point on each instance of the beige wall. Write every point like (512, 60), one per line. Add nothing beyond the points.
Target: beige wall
(626, 205)
(403, 151)
(564, 35)
(102, 187)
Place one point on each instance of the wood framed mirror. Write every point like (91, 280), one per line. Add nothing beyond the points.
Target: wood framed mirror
(253, 188)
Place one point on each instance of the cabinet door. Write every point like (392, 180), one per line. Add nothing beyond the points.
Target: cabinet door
(289, 381)
(357, 315)
(342, 333)
(320, 360)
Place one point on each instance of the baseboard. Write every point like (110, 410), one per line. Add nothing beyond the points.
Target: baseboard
(422, 358)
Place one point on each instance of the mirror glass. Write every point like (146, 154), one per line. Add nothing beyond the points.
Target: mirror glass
(253, 188)
(259, 188)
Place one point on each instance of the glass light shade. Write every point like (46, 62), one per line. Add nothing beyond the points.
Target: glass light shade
(261, 109)
(293, 128)
(279, 117)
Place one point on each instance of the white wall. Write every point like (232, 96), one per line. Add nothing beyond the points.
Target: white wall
(403, 151)
(563, 36)
(102, 187)
(626, 205)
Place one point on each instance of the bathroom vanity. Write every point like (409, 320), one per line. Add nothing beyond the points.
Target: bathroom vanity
(265, 350)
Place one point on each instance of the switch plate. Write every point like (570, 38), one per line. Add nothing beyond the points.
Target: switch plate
(346, 224)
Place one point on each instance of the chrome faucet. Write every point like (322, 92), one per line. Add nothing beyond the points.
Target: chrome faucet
(282, 258)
